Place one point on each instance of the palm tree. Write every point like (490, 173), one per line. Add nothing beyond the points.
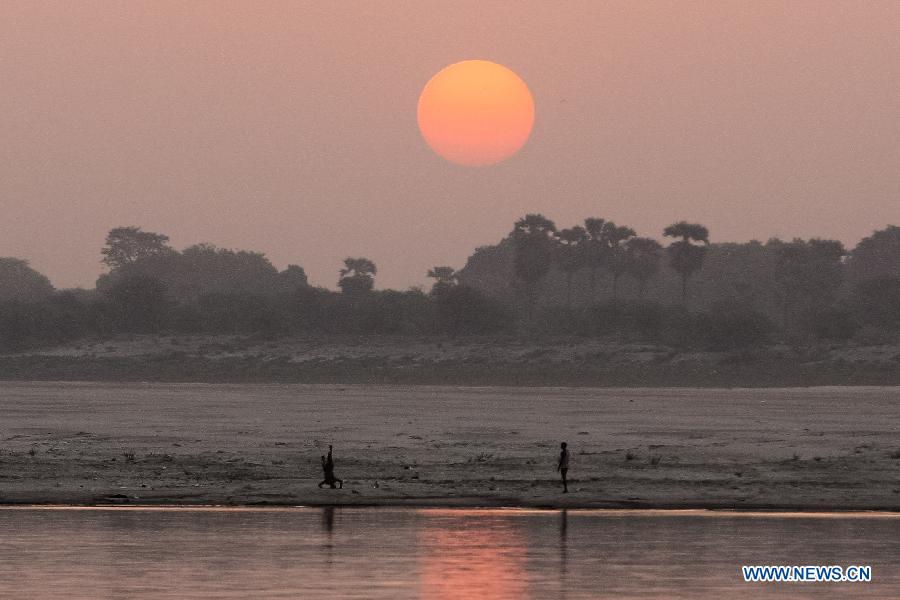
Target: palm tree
(357, 276)
(685, 256)
(571, 254)
(534, 242)
(616, 238)
(642, 258)
(444, 277)
(596, 250)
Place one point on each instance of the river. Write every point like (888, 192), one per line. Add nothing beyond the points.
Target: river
(399, 553)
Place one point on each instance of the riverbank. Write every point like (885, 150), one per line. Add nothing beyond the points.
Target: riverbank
(193, 444)
(576, 362)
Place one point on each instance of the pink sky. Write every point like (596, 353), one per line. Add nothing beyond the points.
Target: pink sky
(290, 127)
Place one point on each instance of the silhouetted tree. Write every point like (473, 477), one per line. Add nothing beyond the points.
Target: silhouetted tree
(126, 245)
(685, 256)
(571, 254)
(20, 282)
(837, 323)
(70, 314)
(616, 239)
(642, 260)
(393, 312)
(462, 309)
(293, 277)
(731, 326)
(596, 250)
(807, 273)
(22, 324)
(205, 269)
(876, 256)
(876, 302)
(357, 276)
(445, 277)
(239, 312)
(139, 303)
(534, 243)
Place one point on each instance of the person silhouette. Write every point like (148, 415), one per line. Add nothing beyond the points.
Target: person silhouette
(328, 468)
(328, 475)
(563, 466)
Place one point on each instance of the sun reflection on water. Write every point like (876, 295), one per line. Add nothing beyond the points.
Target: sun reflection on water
(464, 558)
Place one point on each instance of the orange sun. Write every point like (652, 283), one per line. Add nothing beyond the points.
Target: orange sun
(476, 113)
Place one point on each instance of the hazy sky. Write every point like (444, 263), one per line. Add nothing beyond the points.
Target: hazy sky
(290, 127)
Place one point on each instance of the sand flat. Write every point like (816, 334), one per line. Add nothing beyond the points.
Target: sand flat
(815, 448)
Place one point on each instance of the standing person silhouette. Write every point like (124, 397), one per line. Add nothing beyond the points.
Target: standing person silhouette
(563, 466)
(328, 467)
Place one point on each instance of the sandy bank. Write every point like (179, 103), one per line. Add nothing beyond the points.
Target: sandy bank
(463, 361)
(819, 448)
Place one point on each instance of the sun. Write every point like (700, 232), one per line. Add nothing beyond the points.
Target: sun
(476, 113)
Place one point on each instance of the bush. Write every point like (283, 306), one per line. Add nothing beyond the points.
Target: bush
(725, 326)
(465, 310)
(869, 335)
(239, 313)
(730, 327)
(21, 324)
(830, 323)
(139, 304)
(57, 319)
(392, 312)
(71, 317)
(876, 302)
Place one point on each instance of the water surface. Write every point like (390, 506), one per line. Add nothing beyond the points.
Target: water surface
(388, 553)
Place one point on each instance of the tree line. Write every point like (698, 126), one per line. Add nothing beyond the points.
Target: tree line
(601, 245)
(792, 290)
(593, 279)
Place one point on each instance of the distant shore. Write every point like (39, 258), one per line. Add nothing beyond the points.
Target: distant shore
(501, 361)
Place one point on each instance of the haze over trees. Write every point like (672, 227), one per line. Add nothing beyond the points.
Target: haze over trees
(596, 279)
(571, 254)
(808, 274)
(686, 254)
(595, 247)
(533, 239)
(617, 239)
(642, 258)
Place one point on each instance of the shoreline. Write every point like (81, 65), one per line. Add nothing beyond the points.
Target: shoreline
(481, 504)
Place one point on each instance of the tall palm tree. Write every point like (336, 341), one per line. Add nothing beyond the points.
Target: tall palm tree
(616, 239)
(533, 241)
(642, 257)
(571, 254)
(685, 256)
